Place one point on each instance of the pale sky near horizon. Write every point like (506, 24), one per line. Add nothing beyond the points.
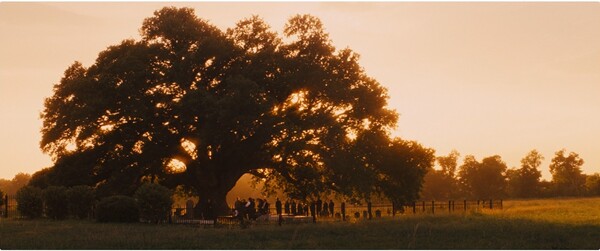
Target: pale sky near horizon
(481, 78)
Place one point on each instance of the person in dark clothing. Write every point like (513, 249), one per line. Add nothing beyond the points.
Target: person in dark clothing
(319, 207)
(306, 209)
(343, 209)
(239, 210)
(251, 209)
(313, 208)
(278, 209)
(259, 206)
(209, 210)
(331, 207)
(264, 210)
(300, 208)
(293, 207)
(369, 206)
(287, 206)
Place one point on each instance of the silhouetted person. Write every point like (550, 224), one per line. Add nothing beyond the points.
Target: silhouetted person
(369, 210)
(287, 206)
(293, 207)
(313, 208)
(331, 207)
(265, 207)
(240, 209)
(209, 210)
(251, 209)
(319, 206)
(300, 208)
(306, 209)
(343, 209)
(189, 209)
(278, 209)
(259, 205)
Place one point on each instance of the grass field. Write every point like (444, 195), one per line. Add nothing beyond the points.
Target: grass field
(532, 224)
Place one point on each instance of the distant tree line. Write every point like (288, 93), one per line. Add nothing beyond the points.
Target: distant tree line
(10, 187)
(491, 178)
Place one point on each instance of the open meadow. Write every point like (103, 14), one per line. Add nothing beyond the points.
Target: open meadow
(525, 224)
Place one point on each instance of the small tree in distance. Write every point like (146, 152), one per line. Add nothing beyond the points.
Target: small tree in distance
(566, 174)
(442, 184)
(483, 180)
(524, 182)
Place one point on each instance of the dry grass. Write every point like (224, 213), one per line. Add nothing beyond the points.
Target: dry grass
(531, 224)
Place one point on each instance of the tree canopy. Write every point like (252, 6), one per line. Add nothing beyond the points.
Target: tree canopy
(566, 173)
(191, 105)
(483, 180)
(524, 182)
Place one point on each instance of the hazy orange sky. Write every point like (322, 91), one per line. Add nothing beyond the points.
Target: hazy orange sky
(481, 78)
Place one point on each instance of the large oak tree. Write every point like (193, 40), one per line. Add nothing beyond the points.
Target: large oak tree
(193, 106)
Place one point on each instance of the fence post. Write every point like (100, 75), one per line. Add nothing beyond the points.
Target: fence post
(491, 204)
(500, 204)
(433, 207)
(414, 207)
(5, 206)
(449, 206)
(423, 206)
(465, 204)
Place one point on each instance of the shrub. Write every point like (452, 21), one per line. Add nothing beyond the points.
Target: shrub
(30, 202)
(81, 200)
(55, 202)
(117, 208)
(154, 200)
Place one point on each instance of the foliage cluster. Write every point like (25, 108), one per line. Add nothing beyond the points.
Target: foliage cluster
(30, 201)
(117, 208)
(154, 201)
(56, 202)
(81, 201)
(10, 187)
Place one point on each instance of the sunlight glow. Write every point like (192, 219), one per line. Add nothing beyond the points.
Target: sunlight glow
(190, 148)
(176, 166)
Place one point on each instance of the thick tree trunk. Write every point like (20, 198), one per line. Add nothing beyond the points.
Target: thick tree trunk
(215, 194)
(218, 203)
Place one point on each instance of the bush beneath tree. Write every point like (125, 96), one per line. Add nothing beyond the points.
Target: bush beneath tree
(30, 201)
(154, 201)
(56, 202)
(81, 201)
(117, 208)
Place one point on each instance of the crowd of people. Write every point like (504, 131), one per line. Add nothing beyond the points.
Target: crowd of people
(253, 209)
(250, 209)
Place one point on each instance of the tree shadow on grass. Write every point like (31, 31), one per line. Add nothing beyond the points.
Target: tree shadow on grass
(470, 231)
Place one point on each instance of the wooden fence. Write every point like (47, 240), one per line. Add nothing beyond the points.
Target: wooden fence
(9, 207)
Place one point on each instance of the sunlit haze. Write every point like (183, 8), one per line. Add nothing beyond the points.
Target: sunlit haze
(481, 78)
